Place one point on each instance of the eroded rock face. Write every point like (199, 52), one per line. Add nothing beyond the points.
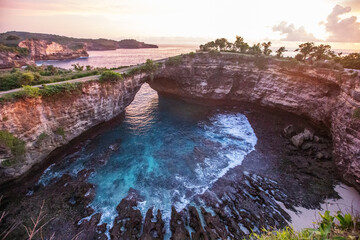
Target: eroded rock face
(47, 123)
(47, 50)
(10, 60)
(327, 97)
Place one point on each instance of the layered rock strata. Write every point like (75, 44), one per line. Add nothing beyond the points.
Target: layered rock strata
(328, 97)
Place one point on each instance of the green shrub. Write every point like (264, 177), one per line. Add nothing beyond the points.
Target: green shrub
(150, 66)
(192, 54)
(26, 78)
(9, 81)
(31, 92)
(60, 131)
(42, 137)
(356, 113)
(347, 227)
(16, 146)
(49, 90)
(110, 76)
(173, 61)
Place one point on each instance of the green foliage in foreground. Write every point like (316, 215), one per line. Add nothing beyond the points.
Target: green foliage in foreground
(16, 146)
(339, 226)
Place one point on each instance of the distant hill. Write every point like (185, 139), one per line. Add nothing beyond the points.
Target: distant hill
(13, 38)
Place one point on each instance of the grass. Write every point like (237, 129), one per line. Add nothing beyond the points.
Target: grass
(16, 146)
(339, 226)
(60, 131)
(356, 113)
(173, 61)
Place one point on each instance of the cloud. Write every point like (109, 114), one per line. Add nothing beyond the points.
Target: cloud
(342, 30)
(292, 33)
(354, 4)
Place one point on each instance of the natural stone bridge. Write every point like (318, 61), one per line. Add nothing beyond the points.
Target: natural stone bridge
(327, 97)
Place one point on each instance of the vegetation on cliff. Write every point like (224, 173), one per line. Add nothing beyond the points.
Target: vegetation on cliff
(14, 49)
(339, 226)
(16, 146)
(110, 76)
(35, 75)
(322, 55)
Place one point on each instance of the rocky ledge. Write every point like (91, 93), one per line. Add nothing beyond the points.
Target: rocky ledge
(47, 123)
(327, 97)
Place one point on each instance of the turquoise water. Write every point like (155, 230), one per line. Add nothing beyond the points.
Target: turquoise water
(166, 149)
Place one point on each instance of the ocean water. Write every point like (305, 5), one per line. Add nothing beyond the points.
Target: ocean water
(169, 151)
(121, 57)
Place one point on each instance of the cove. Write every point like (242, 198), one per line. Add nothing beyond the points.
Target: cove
(166, 149)
(223, 170)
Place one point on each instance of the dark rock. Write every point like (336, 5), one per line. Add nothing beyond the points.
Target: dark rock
(177, 226)
(289, 131)
(195, 223)
(151, 229)
(127, 225)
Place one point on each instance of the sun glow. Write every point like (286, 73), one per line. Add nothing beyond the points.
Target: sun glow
(198, 20)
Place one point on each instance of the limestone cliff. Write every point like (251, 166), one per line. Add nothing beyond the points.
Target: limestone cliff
(327, 97)
(46, 123)
(11, 60)
(47, 50)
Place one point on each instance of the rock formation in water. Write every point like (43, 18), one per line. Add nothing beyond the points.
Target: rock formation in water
(46, 123)
(327, 97)
(133, 44)
(47, 50)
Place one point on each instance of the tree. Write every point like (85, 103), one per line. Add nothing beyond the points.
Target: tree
(322, 52)
(240, 44)
(221, 43)
(280, 51)
(305, 49)
(267, 49)
(351, 61)
(208, 46)
(255, 49)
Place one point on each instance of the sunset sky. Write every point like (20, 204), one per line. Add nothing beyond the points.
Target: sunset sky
(190, 21)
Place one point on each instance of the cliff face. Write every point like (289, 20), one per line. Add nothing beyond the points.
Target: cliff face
(10, 60)
(48, 123)
(328, 97)
(47, 50)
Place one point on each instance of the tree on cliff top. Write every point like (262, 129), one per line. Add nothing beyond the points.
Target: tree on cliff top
(240, 44)
(280, 51)
(305, 49)
(267, 49)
